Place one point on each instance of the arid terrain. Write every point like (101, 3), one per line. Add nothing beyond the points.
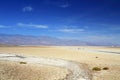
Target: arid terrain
(100, 57)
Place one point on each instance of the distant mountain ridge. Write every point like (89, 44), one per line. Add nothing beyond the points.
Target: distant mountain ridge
(41, 41)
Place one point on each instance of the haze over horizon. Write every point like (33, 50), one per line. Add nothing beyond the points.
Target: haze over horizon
(85, 20)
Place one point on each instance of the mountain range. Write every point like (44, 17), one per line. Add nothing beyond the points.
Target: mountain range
(43, 41)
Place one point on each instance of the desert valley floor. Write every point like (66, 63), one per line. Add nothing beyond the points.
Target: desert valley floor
(91, 56)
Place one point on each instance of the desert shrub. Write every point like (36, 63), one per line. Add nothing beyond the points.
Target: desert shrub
(96, 69)
(105, 68)
(96, 57)
(23, 62)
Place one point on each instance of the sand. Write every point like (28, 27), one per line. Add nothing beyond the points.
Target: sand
(76, 71)
(16, 71)
(92, 56)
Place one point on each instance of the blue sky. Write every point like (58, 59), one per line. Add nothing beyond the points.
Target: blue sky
(86, 20)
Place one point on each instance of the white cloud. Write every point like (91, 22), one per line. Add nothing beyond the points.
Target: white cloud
(32, 25)
(4, 26)
(71, 30)
(58, 3)
(27, 9)
(65, 5)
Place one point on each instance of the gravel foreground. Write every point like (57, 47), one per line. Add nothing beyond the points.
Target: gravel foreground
(77, 71)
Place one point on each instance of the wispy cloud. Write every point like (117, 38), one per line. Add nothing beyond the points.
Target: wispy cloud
(65, 5)
(71, 30)
(32, 25)
(27, 9)
(58, 3)
(4, 26)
